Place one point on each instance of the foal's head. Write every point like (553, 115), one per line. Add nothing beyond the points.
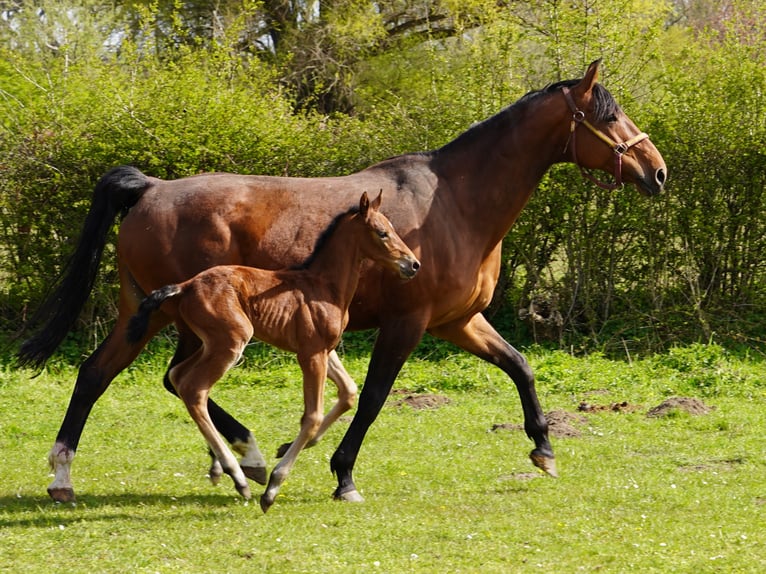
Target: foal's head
(380, 242)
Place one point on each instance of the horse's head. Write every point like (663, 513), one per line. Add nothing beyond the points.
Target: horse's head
(602, 136)
(382, 244)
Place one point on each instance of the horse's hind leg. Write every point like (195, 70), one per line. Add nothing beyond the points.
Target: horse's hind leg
(193, 379)
(94, 377)
(347, 390)
(253, 463)
(477, 336)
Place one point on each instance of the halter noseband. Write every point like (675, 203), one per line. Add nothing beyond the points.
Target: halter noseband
(578, 117)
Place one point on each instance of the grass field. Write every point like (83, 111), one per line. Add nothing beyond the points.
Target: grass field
(444, 492)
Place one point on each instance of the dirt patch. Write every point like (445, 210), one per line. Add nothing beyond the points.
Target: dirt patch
(623, 407)
(692, 406)
(422, 401)
(560, 424)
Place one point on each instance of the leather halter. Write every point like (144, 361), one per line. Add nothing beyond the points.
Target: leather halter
(578, 118)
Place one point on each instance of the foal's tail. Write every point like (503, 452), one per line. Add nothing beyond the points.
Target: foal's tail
(116, 192)
(139, 323)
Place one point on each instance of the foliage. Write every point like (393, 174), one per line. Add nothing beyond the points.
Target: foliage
(176, 88)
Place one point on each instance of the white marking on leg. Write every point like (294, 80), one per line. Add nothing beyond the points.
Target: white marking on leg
(60, 459)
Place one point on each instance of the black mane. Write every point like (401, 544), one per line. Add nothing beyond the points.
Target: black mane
(324, 237)
(604, 107)
(604, 104)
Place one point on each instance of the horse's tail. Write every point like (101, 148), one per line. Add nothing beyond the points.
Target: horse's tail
(116, 192)
(139, 322)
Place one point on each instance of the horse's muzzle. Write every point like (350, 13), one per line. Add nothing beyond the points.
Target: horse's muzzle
(653, 185)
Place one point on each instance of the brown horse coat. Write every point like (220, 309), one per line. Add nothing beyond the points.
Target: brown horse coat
(452, 206)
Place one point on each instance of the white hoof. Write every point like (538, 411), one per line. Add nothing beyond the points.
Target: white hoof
(350, 496)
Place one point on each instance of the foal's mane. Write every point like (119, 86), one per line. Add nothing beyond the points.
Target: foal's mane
(324, 237)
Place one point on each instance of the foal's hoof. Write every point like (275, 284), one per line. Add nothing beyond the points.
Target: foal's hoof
(256, 473)
(244, 491)
(546, 463)
(266, 503)
(215, 473)
(348, 496)
(62, 494)
(282, 450)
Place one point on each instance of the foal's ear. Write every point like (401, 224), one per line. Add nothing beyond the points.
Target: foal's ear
(376, 201)
(364, 204)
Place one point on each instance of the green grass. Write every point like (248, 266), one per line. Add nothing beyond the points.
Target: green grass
(443, 492)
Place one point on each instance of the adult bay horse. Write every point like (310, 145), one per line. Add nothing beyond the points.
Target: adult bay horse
(452, 206)
(303, 310)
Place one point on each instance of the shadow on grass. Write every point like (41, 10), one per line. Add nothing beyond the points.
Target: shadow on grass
(43, 512)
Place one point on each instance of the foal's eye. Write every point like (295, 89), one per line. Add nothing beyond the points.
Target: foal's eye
(382, 233)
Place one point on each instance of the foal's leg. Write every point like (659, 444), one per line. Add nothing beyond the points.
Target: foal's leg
(93, 378)
(314, 369)
(253, 463)
(193, 379)
(477, 336)
(347, 390)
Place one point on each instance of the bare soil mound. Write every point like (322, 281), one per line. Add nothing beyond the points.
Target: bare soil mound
(694, 407)
(623, 407)
(422, 401)
(561, 424)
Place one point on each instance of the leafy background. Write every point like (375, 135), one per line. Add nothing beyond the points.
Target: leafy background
(327, 88)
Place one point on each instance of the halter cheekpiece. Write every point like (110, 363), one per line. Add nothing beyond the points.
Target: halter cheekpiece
(619, 148)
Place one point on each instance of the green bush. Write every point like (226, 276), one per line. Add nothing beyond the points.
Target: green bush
(628, 274)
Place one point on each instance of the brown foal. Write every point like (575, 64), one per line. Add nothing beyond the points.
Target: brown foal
(303, 310)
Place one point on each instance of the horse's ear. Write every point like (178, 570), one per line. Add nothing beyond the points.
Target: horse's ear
(364, 204)
(376, 202)
(590, 79)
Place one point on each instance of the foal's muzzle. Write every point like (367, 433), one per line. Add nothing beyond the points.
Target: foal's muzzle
(408, 267)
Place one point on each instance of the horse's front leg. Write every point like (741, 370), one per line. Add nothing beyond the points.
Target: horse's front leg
(477, 336)
(93, 378)
(240, 438)
(347, 390)
(393, 346)
(314, 369)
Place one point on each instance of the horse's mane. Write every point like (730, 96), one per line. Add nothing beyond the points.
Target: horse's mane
(324, 237)
(604, 104)
(604, 107)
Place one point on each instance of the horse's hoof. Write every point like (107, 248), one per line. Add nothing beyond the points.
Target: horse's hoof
(546, 463)
(349, 496)
(62, 494)
(244, 491)
(282, 450)
(256, 473)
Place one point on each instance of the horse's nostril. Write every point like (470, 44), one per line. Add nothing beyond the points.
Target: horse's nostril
(660, 176)
(416, 265)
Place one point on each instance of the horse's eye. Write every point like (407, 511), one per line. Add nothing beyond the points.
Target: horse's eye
(382, 233)
(611, 119)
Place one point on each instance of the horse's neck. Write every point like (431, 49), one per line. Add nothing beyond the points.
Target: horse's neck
(339, 264)
(494, 167)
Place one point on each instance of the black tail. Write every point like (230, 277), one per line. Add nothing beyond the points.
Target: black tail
(139, 322)
(116, 192)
